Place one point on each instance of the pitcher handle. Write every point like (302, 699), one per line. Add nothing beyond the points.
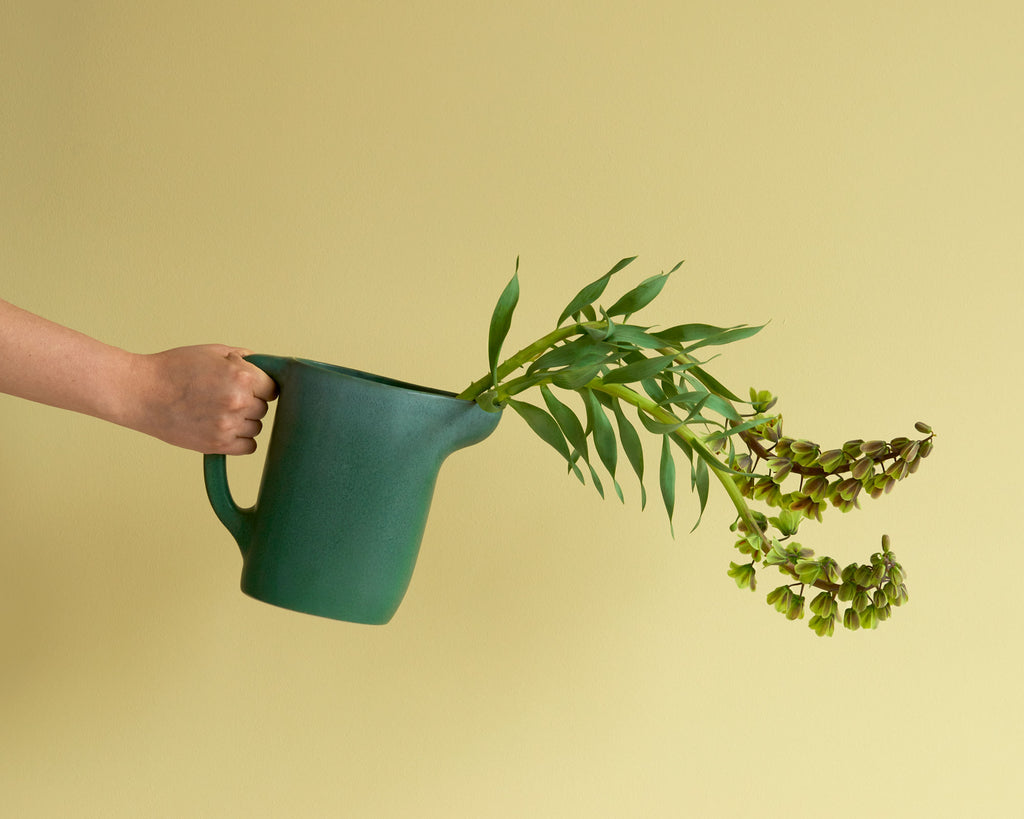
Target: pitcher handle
(238, 521)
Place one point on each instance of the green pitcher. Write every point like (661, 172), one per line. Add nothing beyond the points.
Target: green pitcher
(349, 475)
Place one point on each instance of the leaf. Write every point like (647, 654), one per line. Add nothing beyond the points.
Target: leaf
(582, 350)
(656, 427)
(604, 436)
(546, 429)
(639, 297)
(639, 370)
(713, 385)
(501, 321)
(632, 446)
(668, 479)
(575, 378)
(567, 421)
(726, 337)
(700, 481)
(633, 336)
(591, 293)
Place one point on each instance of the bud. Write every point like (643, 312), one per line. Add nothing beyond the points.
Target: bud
(926, 448)
(886, 543)
(860, 601)
(862, 469)
(796, 608)
(849, 489)
(822, 604)
(873, 449)
(851, 619)
(923, 428)
(847, 592)
(869, 618)
(780, 468)
(852, 448)
(831, 459)
(815, 488)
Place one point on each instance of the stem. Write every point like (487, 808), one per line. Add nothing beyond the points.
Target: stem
(525, 356)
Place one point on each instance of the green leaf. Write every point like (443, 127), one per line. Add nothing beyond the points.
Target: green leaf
(639, 297)
(567, 422)
(700, 481)
(575, 378)
(713, 385)
(546, 429)
(632, 446)
(591, 293)
(668, 479)
(638, 370)
(726, 337)
(657, 427)
(633, 336)
(604, 436)
(582, 350)
(501, 321)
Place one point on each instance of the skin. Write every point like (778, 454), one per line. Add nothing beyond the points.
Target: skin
(204, 398)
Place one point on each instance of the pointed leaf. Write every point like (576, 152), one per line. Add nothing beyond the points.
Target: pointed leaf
(639, 297)
(545, 427)
(638, 370)
(668, 478)
(632, 446)
(501, 321)
(726, 337)
(591, 293)
(567, 422)
(604, 436)
(700, 481)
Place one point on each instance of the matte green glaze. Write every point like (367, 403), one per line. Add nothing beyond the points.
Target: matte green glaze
(346, 488)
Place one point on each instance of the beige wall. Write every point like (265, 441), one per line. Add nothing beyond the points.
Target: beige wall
(352, 182)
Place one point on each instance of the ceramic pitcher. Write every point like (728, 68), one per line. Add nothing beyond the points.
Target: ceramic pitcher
(346, 487)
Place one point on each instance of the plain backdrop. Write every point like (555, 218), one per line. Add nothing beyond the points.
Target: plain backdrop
(352, 182)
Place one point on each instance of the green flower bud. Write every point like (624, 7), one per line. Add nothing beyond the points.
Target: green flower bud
(874, 449)
(796, 607)
(923, 428)
(892, 592)
(862, 577)
(852, 448)
(780, 468)
(847, 592)
(849, 572)
(860, 601)
(908, 452)
(926, 448)
(864, 468)
(822, 604)
(883, 612)
(831, 459)
(851, 619)
(869, 617)
(743, 574)
(886, 543)
(849, 489)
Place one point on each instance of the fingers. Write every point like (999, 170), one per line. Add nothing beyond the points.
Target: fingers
(263, 386)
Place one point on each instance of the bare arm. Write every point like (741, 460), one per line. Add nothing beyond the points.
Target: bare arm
(205, 397)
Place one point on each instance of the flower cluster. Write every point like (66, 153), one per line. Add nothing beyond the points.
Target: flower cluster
(836, 477)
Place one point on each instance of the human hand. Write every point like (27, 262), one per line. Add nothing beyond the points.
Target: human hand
(206, 398)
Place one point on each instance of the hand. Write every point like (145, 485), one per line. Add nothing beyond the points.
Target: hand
(206, 398)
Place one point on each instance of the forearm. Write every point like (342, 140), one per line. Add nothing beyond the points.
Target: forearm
(51, 364)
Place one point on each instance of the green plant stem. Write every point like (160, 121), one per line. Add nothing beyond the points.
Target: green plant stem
(525, 356)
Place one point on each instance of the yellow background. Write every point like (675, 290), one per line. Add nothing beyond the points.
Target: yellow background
(352, 181)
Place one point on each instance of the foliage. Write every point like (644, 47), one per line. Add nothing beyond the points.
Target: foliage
(611, 364)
